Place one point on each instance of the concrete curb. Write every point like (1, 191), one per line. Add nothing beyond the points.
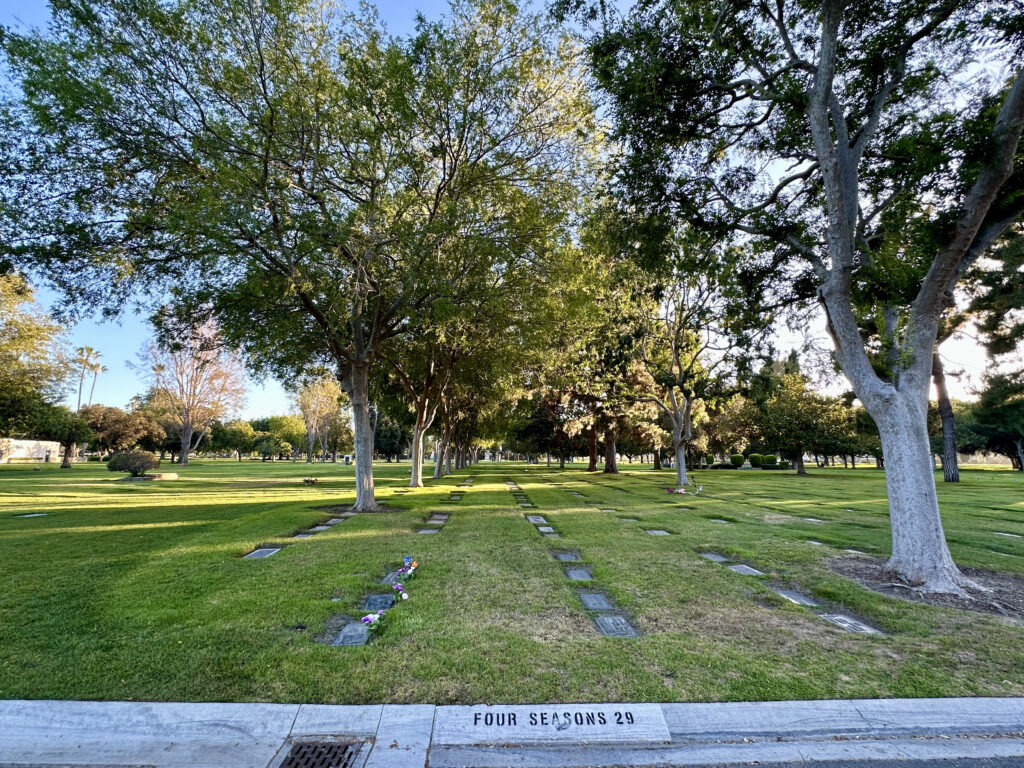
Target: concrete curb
(76, 733)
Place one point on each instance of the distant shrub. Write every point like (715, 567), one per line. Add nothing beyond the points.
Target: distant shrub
(136, 463)
(724, 465)
(737, 459)
(710, 459)
(754, 459)
(785, 465)
(95, 458)
(768, 458)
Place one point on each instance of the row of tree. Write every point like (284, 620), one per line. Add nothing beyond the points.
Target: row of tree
(441, 222)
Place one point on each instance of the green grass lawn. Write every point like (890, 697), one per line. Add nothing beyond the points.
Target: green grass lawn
(139, 590)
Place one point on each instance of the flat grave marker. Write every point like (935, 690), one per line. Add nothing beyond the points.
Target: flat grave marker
(355, 633)
(566, 557)
(318, 528)
(854, 551)
(428, 530)
(746, 570)
(850, 624)
(609, 510)
(262, 552)
(536, 519)
(335, 521)
(303, 536)
(611, 625)
(378, 602)
(550, 724)
(794, 597)
(714, 557)
(658, 532)
(813, 520)
(630, 519)
(718, 520)
(551, 535)
(998, 533)
(34, 514)
(579, 574)
(595, 601)
(815, 543)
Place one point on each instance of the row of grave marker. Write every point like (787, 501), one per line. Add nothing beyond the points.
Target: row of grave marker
(841, 620)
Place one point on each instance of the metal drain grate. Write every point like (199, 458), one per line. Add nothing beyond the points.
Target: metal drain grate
(320, 754)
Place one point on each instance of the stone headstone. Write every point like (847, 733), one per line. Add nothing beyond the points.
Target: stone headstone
(718, 520)
(578, 574)
(629, 519)
(526, 505)
(391, 578)
(335, 521)
(998, 533)
(850, 624)
(536, 519)
(746, 570)
(34, 514)
(658, 532)
(551, 535)
(355, 633)
(257, 554)
(378, 602)
(595, 601)
(545, 529)
(815, 543)
(303, 536)
(318, 528)
(428, 530)
(609, 510)
(715, 558)
(611, 625)
(812, 520)
(794, 597)
(566, 557)
(549, 725)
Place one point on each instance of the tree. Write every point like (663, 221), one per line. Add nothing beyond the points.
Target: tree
(999, 415)
(703, 332)
(844, 104)
(33, 368)
(58, 422)
(237, 436)
(197, 380)
(319, 400)
(392, 439)
(116, 430)
(302, 179)
(796, 421)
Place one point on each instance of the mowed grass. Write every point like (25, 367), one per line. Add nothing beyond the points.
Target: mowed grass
(139, 590)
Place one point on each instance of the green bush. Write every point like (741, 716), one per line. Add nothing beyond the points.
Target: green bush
(710, 459)
(785, 465)
(95, 458)
(754, 459)
(768, 458)
(135, 463)
(737, 459)
(724, 465)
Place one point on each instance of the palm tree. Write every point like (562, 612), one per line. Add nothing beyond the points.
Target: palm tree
(85, 357)
(97, 369)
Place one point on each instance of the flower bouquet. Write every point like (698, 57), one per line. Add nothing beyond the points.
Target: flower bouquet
(374, 621)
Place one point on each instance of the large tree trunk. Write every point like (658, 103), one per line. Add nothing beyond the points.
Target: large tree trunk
(950, 469)
(1020, 454)
(919, 551)
(439, 451)
(186, 443)
(593, 450)
(610, 465)
(65, 463)
(798, 462)
(657, 458)
(358, 390)
(311, 438)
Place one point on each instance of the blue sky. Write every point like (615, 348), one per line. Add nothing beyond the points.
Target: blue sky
(119, 342)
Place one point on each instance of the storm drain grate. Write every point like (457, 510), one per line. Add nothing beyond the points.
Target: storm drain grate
(319, 754)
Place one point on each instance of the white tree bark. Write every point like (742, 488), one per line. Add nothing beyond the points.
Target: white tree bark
(357, 386)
